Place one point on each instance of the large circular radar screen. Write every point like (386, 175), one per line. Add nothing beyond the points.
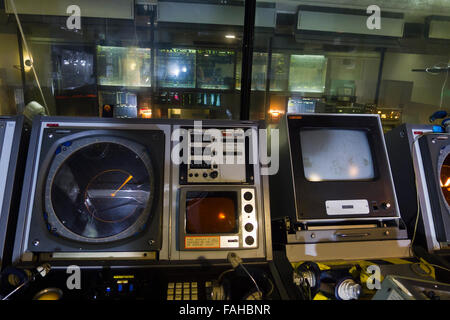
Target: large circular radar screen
(99, 189)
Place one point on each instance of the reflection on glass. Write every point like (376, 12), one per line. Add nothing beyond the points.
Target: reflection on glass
(215, 69)
(259, 71)
(176, 68)
(119, 66)
(280, 71)
(74, 68)
(307, 73)
(301, 105)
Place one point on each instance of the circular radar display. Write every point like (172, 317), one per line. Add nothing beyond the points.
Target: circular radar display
(99, 189)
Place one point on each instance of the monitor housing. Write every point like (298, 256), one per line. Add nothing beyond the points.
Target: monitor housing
(416, 161)
(334, 181)
(219, 207)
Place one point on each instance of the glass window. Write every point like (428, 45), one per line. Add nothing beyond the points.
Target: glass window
(126, 58)
(334, 57)
(183, 59)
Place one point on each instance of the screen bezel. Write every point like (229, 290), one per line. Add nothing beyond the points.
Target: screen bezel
(311, 195)
(181, 226)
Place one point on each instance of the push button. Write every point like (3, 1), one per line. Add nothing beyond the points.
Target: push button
(249, 240)
(248, 196)
(248, 227)
(214, 174)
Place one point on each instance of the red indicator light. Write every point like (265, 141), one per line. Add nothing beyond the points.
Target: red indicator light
(52, 125)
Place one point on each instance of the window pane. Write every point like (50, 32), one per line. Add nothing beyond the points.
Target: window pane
(334, 57)
(126, 58)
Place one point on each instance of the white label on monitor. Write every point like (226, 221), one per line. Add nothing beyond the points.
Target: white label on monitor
(229, 241)
(344, 207)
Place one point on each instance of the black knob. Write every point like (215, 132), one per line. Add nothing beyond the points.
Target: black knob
(205, 175)
(248, 227)
(249, 240)
(214, 174)
(248, 208)
(248, 196)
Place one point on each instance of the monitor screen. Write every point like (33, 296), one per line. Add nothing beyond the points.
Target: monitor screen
(307, 73)
(215, 69)
(211, 212)
(176, 68)
(74, 69)
(336, 155)
(124, 66)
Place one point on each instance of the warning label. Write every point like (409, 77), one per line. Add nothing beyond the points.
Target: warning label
(207, 242)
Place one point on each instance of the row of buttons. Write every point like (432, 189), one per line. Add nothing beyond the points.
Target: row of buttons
(249, 217)
(182, 291)
(212, 174)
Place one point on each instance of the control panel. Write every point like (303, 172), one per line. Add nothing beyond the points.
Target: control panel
(187, 290)
(248, 216)
(217, 156)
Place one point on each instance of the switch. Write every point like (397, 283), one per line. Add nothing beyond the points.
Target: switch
(248, 227)
(248, 196)
(385, 205)
(214, 174)
(249, 240)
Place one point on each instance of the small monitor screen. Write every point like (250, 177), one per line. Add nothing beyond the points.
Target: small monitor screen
(176, 68)
(336, 155)
(211, 212)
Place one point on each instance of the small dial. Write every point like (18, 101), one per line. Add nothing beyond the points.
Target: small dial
(248, 196)
(248, 208)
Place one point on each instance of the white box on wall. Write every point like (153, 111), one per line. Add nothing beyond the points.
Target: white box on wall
(342, 22)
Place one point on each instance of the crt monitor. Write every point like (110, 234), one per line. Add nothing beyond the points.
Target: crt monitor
(335, 168)
(218, 218)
